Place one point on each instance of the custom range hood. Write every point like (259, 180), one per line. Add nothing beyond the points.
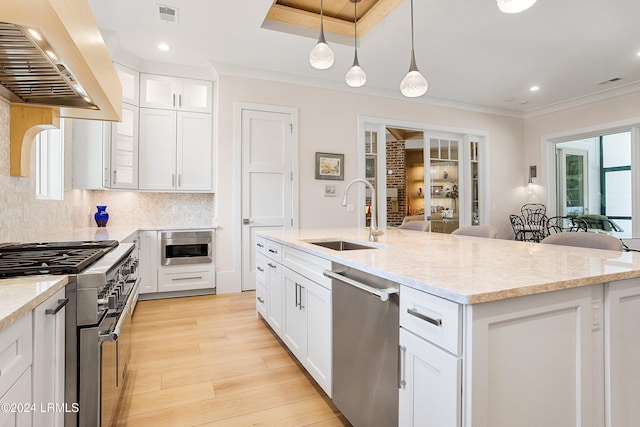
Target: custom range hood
(53, 63)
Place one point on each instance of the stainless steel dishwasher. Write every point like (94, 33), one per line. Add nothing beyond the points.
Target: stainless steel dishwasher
(365, 347)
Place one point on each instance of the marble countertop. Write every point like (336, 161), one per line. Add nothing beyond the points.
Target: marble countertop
(20, 295)
(468, 270)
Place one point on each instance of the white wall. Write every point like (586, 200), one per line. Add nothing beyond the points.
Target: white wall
(328, 122)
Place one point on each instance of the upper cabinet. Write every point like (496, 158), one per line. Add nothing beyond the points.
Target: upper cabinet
(130, 81)
(175, 93)
(164, 141)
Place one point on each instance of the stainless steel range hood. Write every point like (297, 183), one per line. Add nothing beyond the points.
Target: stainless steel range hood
(69, 54)
(28, 74)
(62, 70)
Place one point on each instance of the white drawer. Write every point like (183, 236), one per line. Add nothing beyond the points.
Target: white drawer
(274, 251)
(16, 343)
(308, 265)
(186, 278)
(261, 268)
(261, 245)
(261, 299)
(433, 318)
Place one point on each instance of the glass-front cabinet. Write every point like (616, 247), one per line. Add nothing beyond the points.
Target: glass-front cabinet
(444, 173)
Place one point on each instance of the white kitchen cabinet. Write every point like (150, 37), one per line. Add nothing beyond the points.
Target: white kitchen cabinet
(130, 81)
(16, 356)
(148, 263)
(49, 360)
(18, 394)
(175, 93)
(622, 352)
(175, 151)
(307, 313)
(275, 314)
(105, 154)
(186, 278)
(550, 342)
(430, 388)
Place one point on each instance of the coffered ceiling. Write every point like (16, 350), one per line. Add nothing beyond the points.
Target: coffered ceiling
(472, 54)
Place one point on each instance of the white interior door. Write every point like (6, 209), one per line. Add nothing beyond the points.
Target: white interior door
(573, 183)
(267, 180)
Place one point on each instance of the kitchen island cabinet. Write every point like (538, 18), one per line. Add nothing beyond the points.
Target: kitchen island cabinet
(516, 334)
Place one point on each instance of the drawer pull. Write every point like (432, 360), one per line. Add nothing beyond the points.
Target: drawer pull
(437, 322)
(187, 278)
(260, 300)
(273, 251)
(60, 306)
(260, 245)
(260, 269)
(271, 265)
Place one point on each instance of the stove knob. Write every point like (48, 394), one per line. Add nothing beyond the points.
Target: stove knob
(112, 302)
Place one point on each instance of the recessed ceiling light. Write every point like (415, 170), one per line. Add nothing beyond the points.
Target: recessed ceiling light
(638, 54)
(534, 88)
(163, 46)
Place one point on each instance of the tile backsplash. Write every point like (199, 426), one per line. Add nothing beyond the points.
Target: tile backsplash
(25, 218)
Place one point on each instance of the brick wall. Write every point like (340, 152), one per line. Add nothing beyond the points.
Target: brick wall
(396, 162)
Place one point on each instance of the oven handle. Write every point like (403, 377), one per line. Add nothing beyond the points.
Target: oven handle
(113, 335)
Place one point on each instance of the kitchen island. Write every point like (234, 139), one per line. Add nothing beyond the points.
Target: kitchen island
(525, 334)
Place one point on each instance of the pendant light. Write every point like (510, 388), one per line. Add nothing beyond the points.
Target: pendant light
(514, 6)
(413, 84)
(321, 56)
(356, 77)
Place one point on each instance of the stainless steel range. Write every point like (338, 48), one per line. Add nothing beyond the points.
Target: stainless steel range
(102, 292)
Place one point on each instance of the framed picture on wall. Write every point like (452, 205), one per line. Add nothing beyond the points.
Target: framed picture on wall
(329, 166)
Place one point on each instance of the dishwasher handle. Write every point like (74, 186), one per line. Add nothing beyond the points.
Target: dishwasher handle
(382, 293)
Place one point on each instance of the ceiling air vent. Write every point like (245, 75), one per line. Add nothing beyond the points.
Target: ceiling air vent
(611, 80)
(168, 14)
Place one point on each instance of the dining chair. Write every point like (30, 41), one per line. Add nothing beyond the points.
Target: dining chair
(585, 240)
(532, 208)
(477, 231)
(559, 224)
(415, 225)
(536, 224)
(517, 223)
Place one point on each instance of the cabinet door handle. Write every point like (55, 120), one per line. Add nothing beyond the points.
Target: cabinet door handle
(115, 176)
(179, 180)
(402, 354)
(180, 100)
(60, 306)
(301, 306)
(173, 179)
(173, 101)
(297, 294)
(437, 322)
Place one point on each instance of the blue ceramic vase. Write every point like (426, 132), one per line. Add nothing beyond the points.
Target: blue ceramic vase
(101, 216)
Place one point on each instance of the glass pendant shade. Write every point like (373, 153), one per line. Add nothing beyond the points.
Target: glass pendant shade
(356, 77)
(514, 6)
(321, 56)
(414, 84)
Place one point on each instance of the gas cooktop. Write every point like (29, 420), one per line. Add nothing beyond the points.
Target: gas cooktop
(25, 259)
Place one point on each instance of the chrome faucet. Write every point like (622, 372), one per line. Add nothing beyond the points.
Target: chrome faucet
(374, 231)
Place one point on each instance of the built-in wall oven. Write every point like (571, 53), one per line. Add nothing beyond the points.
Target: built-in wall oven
(180, 247)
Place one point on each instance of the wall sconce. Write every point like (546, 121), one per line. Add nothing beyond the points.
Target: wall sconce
(533, 172)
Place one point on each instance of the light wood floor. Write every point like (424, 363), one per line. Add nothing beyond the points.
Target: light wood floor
(209, 361)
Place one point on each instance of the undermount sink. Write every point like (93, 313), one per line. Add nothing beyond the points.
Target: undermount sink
(341, 245)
